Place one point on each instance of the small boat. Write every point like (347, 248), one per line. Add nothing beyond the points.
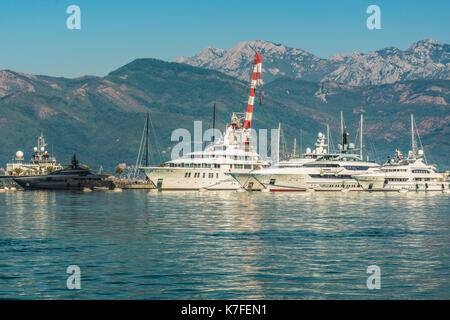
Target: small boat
(73, 177)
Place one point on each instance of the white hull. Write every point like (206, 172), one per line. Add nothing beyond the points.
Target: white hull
(165, 178)
(370, 183)
(294, 182)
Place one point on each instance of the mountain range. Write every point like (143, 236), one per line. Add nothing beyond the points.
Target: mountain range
(425, 59)
(102, 118)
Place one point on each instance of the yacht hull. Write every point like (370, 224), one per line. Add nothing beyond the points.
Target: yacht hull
(62, 183)
(370, 183)
(293, 182)
(165, 178)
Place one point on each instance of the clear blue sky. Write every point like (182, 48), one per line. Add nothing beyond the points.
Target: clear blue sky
(34, 37)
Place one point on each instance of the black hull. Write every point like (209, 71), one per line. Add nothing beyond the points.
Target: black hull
(35, 183)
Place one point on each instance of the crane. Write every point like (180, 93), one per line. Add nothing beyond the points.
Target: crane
(255, 81)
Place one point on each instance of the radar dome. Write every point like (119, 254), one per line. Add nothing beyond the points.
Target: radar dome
(19, 155)
(308, 150)
(421, 152)
(35, 149)
(42, 149)
(320, 135)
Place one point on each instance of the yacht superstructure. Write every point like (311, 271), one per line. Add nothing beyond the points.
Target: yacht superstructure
(208, 169)
(42, 162)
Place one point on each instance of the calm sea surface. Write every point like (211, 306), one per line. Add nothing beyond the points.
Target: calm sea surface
(211, 245)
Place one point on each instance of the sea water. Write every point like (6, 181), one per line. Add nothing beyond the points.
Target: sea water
(224, 245)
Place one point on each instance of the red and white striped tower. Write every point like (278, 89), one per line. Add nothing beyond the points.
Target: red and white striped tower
(256, 81)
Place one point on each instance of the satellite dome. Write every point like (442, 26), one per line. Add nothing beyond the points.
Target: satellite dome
(35, 149)
(420, 152)
(351, 145)
(19, 155)
(308, 150)
(42, 149)
(320, 135)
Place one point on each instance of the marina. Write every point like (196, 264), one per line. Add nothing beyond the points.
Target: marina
(224, 159)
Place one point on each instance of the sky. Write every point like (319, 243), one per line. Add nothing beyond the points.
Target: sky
(35, 39)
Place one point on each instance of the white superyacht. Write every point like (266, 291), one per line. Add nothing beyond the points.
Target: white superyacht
(320, 170)
(410, 173)
(208, 169)
(41, 162)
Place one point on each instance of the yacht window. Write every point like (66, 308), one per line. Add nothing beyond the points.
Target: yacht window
(356, 167)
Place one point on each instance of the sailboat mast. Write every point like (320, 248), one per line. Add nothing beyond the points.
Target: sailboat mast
(342, 129)
(146, 140)
(413, 139)
(278, 148)
(301, 141)
(214, 121)
(328, 138)
(361, 138)
(295, 146)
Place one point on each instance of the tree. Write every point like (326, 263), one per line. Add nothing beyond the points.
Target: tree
(50, 169)
(119, 171)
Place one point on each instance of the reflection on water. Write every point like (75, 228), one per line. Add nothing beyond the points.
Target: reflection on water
(229, 245)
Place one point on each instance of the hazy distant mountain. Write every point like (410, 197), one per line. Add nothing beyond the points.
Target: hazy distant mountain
(101, 118)
(426, 59)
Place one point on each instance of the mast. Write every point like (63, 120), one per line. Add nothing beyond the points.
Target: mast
(361, 138)
(328, 138)
(278, 148)
(295, 146)
(413, 138)
(146, 140)
(342, 130)
(301, 142)
(214, 120)
(256, 81)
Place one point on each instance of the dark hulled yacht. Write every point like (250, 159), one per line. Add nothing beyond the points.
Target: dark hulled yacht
(73, 177)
